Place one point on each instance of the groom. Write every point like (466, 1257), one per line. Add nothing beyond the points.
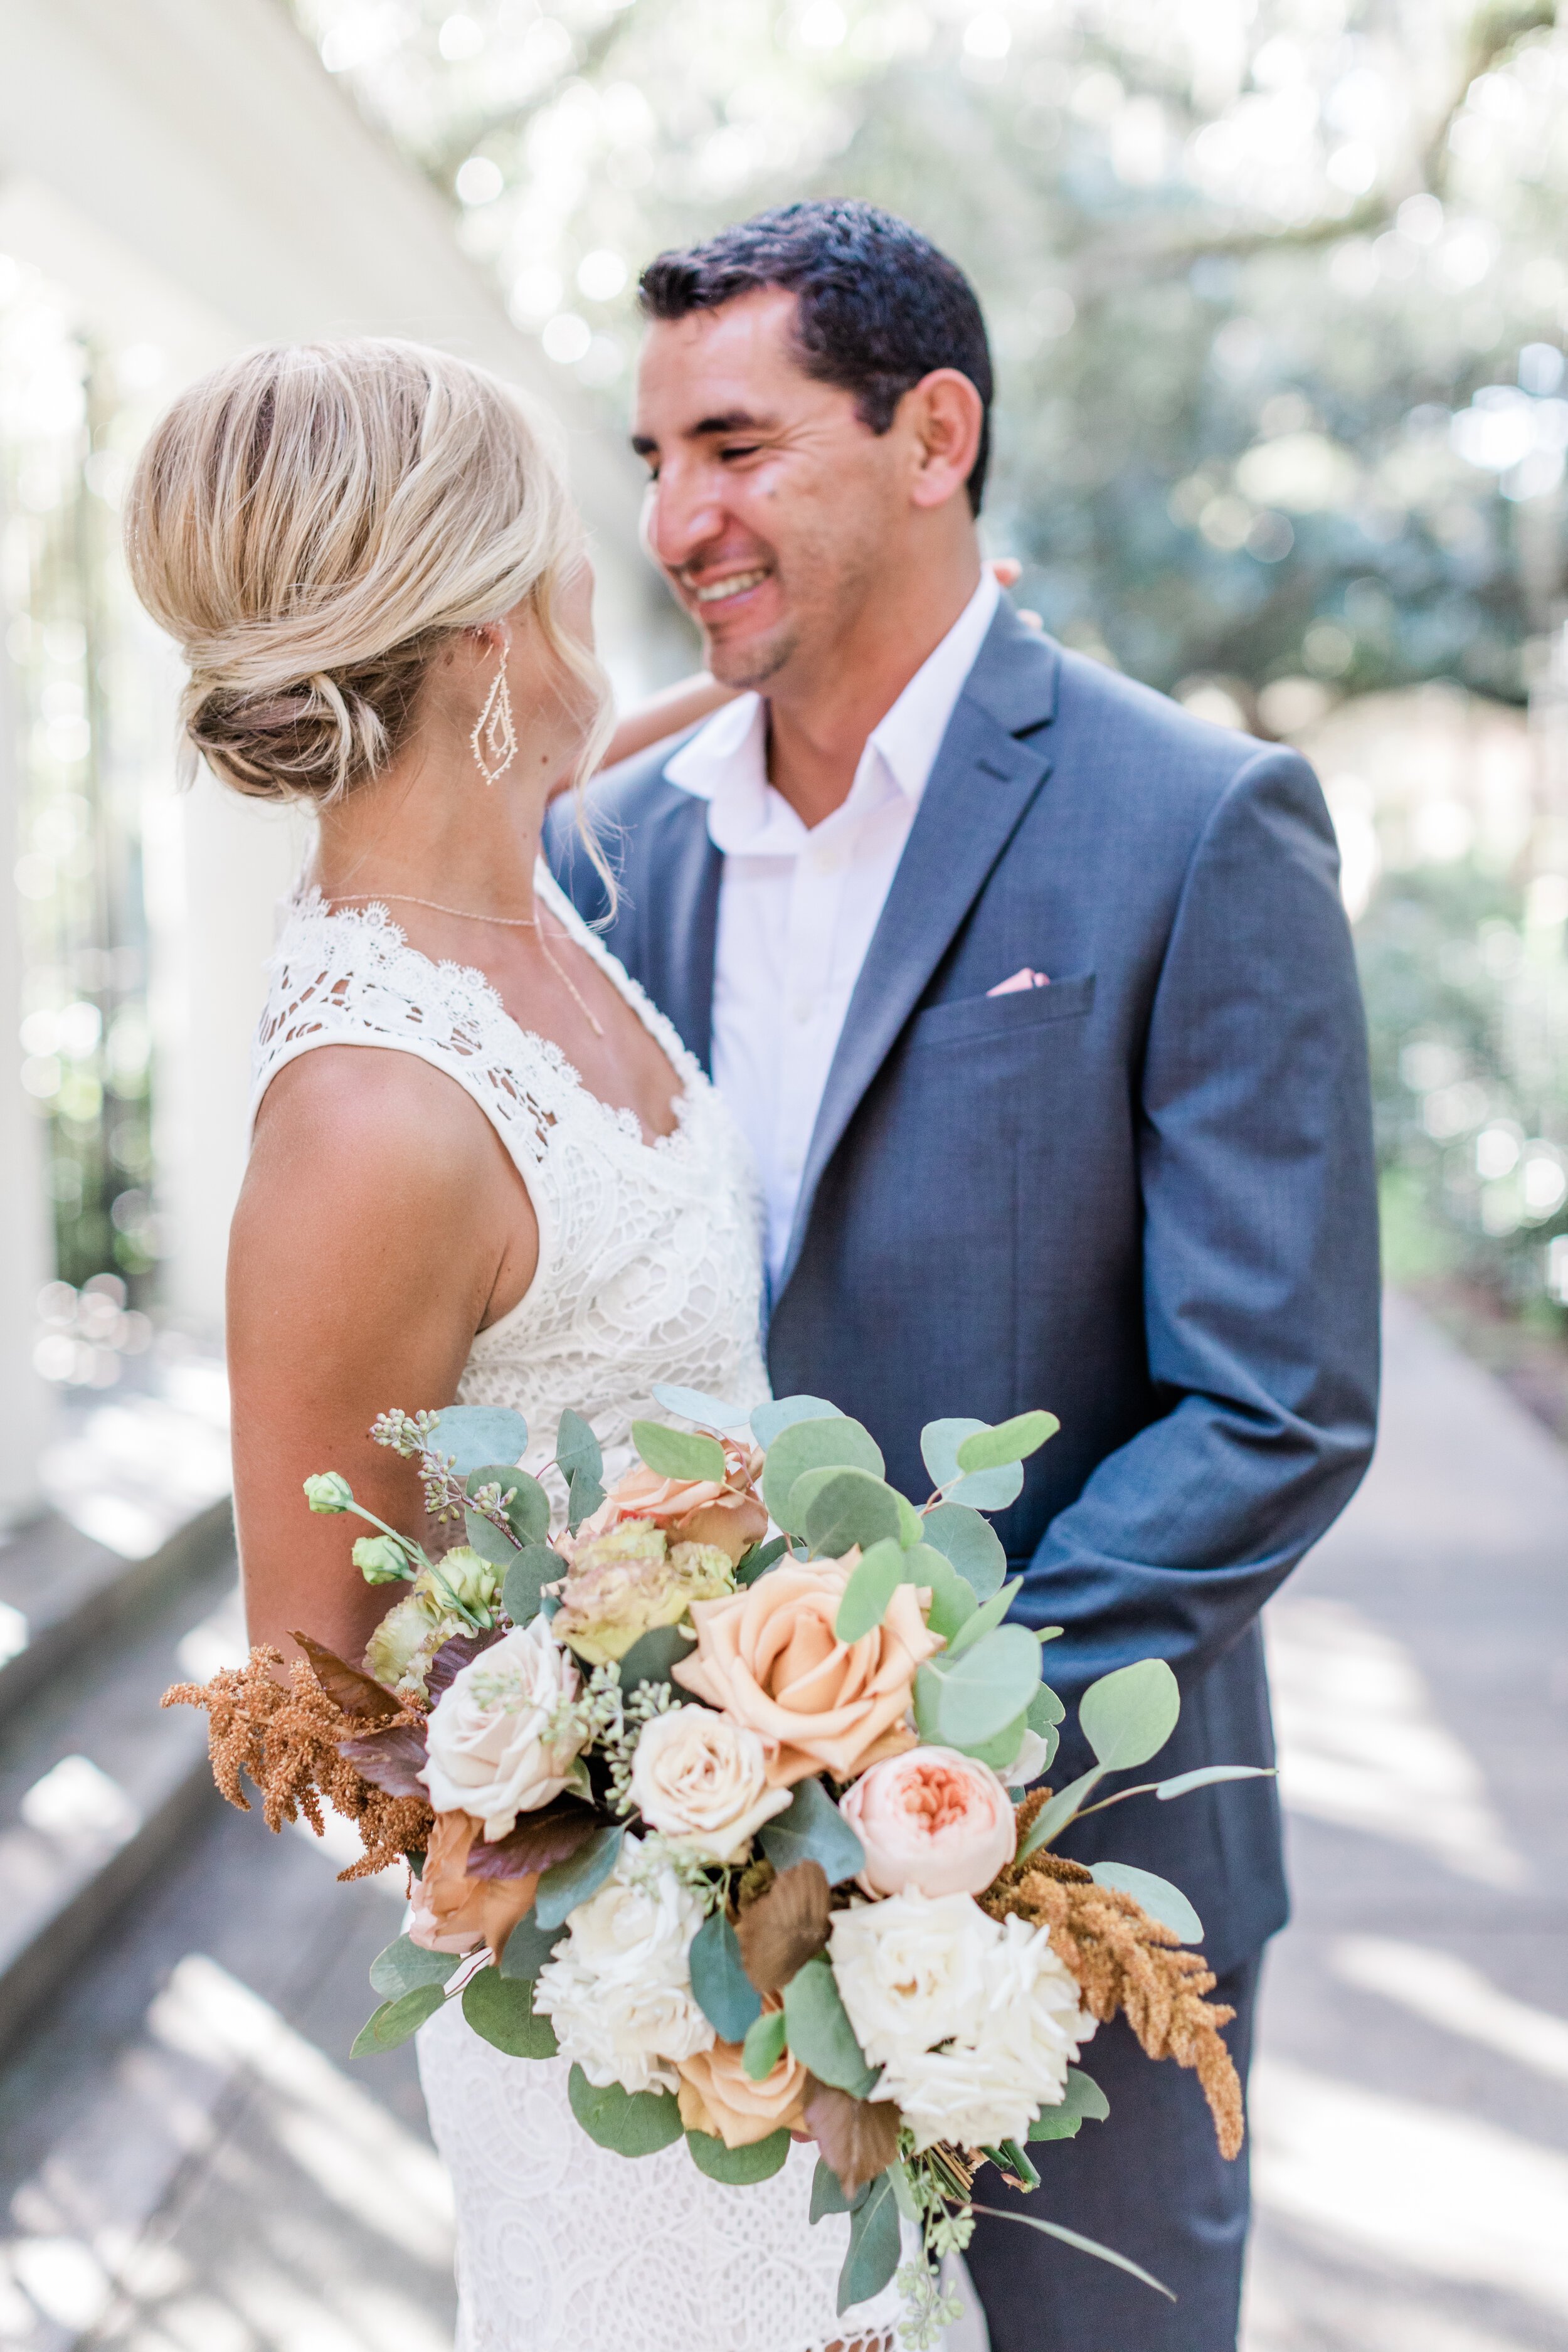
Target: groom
(1035, 1000)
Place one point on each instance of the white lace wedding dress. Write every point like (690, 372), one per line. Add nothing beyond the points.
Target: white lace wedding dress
(649, 1269)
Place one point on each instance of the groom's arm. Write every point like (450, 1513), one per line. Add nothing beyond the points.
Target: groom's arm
(1260, 1256)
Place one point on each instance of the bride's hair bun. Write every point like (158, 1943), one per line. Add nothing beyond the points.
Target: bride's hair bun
(310, 522)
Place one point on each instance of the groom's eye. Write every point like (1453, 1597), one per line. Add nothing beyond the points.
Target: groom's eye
(741, 449)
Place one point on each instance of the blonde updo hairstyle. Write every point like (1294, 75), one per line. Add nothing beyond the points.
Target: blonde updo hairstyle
(311, 521)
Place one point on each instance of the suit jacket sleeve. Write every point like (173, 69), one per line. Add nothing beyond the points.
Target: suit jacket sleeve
(1260, 1256)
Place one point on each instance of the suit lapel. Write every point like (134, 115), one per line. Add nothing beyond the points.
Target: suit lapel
(678, 922)
(984, 781)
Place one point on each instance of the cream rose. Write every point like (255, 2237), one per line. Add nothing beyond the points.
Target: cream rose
(770, 1658)
(931, 1821)
(718, 2096)
(703, 1782)
(722, 1511)
(455, 1912)
(488, 1753)
(972, 2021)
(618, 1990)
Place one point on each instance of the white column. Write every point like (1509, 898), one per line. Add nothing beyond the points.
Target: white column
(26, 1255)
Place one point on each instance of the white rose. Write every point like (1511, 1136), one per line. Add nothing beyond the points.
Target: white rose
(701, 1781)
(1034, 1754)
(973, 2021)
(488, 1754)
(618, 1990)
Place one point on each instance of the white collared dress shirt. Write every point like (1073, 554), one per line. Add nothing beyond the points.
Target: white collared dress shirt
(797, 906)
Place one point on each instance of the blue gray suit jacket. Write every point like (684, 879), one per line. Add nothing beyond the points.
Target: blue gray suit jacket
(1142, 1197)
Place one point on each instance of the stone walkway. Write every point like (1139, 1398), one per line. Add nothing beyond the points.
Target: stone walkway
(190, 2163)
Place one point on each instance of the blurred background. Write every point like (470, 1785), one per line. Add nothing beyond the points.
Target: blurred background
(1278, 296)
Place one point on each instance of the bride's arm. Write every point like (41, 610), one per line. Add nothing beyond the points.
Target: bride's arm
(381, 1223)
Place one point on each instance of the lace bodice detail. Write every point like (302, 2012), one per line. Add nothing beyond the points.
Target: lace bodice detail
(650, 1266)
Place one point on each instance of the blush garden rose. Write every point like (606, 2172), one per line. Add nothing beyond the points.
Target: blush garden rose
(489, 1751)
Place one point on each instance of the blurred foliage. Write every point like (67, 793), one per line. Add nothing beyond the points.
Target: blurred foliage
(1276, 287)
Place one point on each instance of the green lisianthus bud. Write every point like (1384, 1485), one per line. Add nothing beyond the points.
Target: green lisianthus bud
(380, 1560)
(469, 1578)
(329, 1491)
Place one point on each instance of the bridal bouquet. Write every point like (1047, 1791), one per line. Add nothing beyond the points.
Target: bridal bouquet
(734, 1822)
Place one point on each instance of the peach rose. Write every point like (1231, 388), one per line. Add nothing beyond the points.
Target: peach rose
(932, 1823)
(770, 1658)
(718, 2096)
(455, 1912)
(723, 1512)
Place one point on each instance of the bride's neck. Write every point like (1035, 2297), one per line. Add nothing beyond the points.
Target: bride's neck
(430, 827)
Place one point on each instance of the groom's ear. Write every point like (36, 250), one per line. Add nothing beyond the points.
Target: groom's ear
(942, 418)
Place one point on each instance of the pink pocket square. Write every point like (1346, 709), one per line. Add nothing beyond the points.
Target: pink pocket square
(1022, 979)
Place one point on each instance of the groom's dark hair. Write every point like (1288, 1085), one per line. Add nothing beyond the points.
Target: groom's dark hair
(876, 306)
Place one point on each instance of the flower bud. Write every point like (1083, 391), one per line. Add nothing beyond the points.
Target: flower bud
(380, 1560)
(329, 1491)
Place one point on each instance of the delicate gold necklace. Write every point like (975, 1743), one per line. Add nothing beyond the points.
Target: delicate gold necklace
(467, 915)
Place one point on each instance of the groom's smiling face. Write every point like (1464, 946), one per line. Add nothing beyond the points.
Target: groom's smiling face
(773, 509)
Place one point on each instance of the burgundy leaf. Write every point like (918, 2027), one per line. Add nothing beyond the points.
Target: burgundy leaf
(451, 1658)
(346, 1686)
(390, 1759)
(784, 1927)
(858, 2137)
(551, 1835)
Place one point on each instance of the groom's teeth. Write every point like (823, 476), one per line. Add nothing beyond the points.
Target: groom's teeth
(736, 585)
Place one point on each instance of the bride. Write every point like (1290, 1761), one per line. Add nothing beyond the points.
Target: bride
(530, 1196)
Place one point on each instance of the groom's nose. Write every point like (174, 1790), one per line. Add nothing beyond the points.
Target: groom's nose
(684, 512)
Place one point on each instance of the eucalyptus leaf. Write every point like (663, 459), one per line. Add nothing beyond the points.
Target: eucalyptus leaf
(812, 1828)
(760, 1559)
(814, 1444)
(764, 2045)
(529, 1571)
(819, 2033)
(678, 1453)
(850, 1508)
(771, 1420)
(1083, 2101)
(628, 2123)
(875, 2245)
(985, 1619)
(577, 1448)
(501, 2009)
(1127, 1717)
(962, 1702)
(528, 1946)
(911, 1526)
(872, 1583)
(973, 1546)
(1000, 1752)
(1045, 1709)
(567, 1883)
(583, 1497)
(1207, 1774)
(952, 1602)
(1052, 1819)
(741, 2168)
(475, 1434)
(983, 1490)
(524, 1499)
(1007, 1442)
(653, 1653)
(395, 2020)
(692, 1404)
(827, 2193)
(482, 1535)
(406, 1964)
(725, 1993)
(1158, 1897)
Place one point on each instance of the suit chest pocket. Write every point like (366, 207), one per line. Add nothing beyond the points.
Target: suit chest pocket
(975, 1021)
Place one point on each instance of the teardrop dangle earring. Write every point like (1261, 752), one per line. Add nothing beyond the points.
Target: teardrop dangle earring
(494, 739)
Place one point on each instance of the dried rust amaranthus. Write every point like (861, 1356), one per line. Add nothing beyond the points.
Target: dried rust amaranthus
(285, 1740)
(1125, 1960)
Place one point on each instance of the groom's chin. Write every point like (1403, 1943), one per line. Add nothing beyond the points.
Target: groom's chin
(748, 660)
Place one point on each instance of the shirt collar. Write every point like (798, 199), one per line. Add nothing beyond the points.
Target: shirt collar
(725, 762)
